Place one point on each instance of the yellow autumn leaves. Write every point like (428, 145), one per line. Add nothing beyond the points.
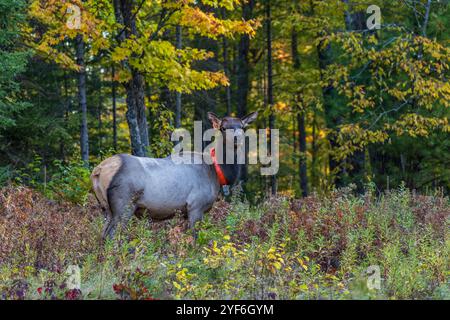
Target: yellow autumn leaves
(146, 51)
(226, 260)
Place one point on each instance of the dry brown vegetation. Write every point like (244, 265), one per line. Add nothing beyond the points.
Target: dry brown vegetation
(44, 233)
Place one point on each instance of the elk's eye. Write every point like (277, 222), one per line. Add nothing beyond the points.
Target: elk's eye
(223, 129)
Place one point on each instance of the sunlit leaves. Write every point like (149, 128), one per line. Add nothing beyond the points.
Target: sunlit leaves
(208, 25)
(50, 40)
(352, 137)
(158, 60)
(416, 125)
(408, 73)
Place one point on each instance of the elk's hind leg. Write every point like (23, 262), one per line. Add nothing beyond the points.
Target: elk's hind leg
(108, 218)
(123, 205)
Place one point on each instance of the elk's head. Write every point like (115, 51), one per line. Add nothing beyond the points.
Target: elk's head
(232, 129)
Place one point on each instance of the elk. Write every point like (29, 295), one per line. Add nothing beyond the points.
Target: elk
(125, 184)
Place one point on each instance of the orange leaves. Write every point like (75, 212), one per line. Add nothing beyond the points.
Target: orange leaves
(219, 78)
(206, 24)
(281, 106)
(282, 52)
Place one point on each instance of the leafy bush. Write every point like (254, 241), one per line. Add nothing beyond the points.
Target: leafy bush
(71, 182)
(67, 181)
(5, 175)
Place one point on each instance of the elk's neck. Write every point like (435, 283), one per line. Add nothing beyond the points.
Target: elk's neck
(231, 171)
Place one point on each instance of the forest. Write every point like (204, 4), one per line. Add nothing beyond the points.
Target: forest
(358, 90)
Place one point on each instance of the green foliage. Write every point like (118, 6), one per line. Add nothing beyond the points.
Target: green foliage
(71, 182)
(13, 60)
(31, 174)
(146, 51)
(161, 145)
(67, 181)
(5, 175)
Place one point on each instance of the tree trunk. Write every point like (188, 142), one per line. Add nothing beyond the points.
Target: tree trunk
(243, 69)
(99, 116)
(114, 107)
(139, 86)
(331, 121)
(314, 182)
(150, 115)
(302, 144)
(426, 18)
(84, 137)
(300, 121)
(226, 69)
(294, 135)
(335, 118)
(273, 180)
(227, 73)
(65, 113)
(178, 94)
(243, 75)
(136, 118)
(132, 119)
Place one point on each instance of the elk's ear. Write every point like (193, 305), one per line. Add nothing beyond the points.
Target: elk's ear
(249, 118)
(215, 121)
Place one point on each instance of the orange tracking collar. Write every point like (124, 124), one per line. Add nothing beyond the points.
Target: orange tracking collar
(222, 180)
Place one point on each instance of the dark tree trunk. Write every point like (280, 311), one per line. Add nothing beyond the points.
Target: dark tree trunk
(99, 116)
(273, 179)
(226, 69)
(150, 118)
(114, 106)
(65, 113)
(357, 162)
(178, 94)
(314, 182)
(243, 68)
(302, 144)
(332, 121)
(300, 122)
(227, 73)
(294, 135)
(84, 136)
(132, 88)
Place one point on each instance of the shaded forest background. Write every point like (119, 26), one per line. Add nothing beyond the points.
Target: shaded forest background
(82, 80)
